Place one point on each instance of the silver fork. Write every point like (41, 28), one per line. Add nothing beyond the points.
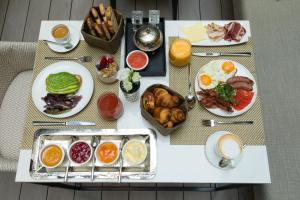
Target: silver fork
(81, 58)
(212, 123)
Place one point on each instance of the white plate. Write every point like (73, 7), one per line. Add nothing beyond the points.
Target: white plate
(241, 71)
(86, 89)
(74, 40)
(222, 42)
(210, 150)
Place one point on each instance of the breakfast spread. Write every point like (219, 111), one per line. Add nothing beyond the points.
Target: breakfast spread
(134, 152)
(107, 153)
(164, 107)
(221, 88)
(180, 52)
(62, 87)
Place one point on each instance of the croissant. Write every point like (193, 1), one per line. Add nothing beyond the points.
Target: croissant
(164, 99)
(162, 115)
(177, 115)
(148, 101)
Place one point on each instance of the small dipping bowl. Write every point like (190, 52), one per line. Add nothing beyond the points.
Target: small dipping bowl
(137, 60)
(107, 153)
(78, 152)
(134, 152)
(60, 33)
(51, 156)
(110, 106)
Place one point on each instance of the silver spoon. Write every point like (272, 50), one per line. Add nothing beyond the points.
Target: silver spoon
(94, 145)
(190, 98)
(81, 58)
(66, 45)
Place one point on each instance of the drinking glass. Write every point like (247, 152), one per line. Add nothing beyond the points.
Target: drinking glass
(137, 18)
(154, 16)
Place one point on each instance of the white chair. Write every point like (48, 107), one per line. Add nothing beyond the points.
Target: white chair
(16, 63)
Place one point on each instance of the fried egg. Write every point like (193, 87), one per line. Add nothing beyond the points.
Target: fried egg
(227, 70)
(207, 81)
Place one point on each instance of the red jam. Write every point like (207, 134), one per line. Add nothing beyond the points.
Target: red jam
(110, 106)
(137, 60)
(80, 152)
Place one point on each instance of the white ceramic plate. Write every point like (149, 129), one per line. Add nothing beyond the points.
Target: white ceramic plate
(222, 42)
(86, 89)
(74, 40)
(241, 71)
(210, 150)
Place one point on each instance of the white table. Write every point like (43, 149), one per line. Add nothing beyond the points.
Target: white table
(175, 163)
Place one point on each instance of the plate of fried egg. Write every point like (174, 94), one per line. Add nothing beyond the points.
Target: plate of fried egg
(225, 88)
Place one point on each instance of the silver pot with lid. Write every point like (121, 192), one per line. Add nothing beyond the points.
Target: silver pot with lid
(148, 38)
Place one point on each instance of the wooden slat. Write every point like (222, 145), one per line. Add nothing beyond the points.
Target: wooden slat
(37, 11)
(15, 20)
(87, 195)
(80, 9)
(145, 5)
(8, 188)
(114, 195)
(225, 195)
(60, 9)
(210, 9)
(189, 10)
(125, 7)
(60, 194)
(196, 195)
(245, 193)
(169, 195)
(227, 9)
(97, 2)
(33, 192)
(144, 195)
(3, 8)
(165, 8)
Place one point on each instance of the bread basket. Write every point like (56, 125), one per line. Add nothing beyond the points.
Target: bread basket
(150, 118)
(110, 46)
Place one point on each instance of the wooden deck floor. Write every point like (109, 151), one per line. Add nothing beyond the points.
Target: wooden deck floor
(20, 21)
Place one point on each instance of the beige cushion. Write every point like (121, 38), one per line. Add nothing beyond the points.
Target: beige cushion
(12, 115)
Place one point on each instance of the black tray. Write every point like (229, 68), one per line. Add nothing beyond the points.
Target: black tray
(157, 59)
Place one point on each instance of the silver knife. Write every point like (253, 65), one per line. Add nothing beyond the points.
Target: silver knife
(69, 123)
(216, 54)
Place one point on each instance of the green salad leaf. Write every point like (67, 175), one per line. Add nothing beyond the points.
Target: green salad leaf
(62, 83)
(225, 92)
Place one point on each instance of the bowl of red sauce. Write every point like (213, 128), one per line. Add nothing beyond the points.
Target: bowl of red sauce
(110, 106)
(80, 152)
(137, 60)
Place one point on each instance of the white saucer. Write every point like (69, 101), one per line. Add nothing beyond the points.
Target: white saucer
(210, 151)
(74, 40)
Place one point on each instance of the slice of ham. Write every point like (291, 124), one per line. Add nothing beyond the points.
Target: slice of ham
(234, 31)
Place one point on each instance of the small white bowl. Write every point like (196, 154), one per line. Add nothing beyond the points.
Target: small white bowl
(69, 151)
(142, 160)
(62, 156)
(106, 164)
(143, 67)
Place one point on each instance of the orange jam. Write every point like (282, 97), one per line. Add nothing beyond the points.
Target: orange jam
(51, 155)
(107, 152)
(60, 32)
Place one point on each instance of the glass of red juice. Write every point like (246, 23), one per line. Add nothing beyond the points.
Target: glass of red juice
(110, 106)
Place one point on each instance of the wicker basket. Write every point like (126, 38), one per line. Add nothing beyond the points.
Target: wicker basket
(110, 46)
(150, 118)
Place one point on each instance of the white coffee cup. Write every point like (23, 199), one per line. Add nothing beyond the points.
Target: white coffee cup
(61, 33)
(230, 148)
